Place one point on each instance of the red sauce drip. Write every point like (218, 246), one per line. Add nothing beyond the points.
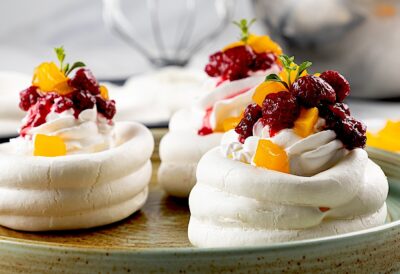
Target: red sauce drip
(206, 128)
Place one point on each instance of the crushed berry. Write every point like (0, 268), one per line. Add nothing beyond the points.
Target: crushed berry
(106, 107)
(279, 111)
(237, 62)
(350, 131)
(338, 83)
(37, 115)
(82, 100)
(312, 91)
(85, 80)
(28, 97)
(252, 113)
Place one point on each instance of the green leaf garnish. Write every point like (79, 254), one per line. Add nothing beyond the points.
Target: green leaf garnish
(66, 69)
(289, 65)
(244, 27)
(74, 66)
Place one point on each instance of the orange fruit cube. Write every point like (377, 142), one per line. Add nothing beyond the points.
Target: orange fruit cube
(266, 88)
(271, 156)
(230, 123)
(304, 125)
(387, 138)
(285, 76)
(263, 43)
(48, 77)
(104, 92)
(49, 146)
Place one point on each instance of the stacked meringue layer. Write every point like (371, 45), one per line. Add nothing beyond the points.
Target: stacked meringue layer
(237, 204)
(182, 147)
(76, 191)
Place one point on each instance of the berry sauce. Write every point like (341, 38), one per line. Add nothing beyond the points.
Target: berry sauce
(85, 95)
(206, 128)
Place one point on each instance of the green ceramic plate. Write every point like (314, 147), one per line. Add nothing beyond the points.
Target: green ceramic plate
(154, 240)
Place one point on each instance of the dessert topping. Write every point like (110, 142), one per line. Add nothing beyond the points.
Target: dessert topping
(53, 90)
(271, 156)
(252, 53)
(293, 92)
(49, 146)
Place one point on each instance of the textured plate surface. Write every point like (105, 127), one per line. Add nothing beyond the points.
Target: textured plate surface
(154, 240)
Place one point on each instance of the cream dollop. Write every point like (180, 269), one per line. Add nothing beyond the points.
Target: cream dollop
(76, 191)
(89, 132)
(307, 156)
(182, 147)
(248, 205)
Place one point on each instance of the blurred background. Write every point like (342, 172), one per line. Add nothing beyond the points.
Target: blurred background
(120, 39)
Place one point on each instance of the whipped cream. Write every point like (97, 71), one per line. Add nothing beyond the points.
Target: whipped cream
(89, 132)
(247, 205)
(182, 147)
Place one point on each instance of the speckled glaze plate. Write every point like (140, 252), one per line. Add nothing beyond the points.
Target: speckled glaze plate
(154, 240)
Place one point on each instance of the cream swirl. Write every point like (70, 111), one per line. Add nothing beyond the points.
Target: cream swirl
(248, 205)
(307, 156)
(182, 147)
(89, 132)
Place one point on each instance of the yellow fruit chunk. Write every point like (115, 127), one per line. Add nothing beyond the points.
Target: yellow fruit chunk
(104, 92)
(271, 156)
(304, 125)
(48, 77)
(263, 44)
(233, 45)
(387, 138)
(49, 146)
(230, 123)
(266, 88)
(317, 74)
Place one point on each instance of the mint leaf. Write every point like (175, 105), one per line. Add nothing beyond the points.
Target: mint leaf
(74, 66)
(276, 78)
(244, 28)
(305, 65)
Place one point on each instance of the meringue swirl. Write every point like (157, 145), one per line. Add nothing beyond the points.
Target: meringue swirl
(248, 205)
(76, 191)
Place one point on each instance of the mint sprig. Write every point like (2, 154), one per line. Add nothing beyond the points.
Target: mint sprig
(66, 69)
(244, 27)
(289, 65)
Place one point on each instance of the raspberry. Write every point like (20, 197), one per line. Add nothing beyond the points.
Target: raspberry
(236, 63)
(106, 107)
(82, 100)
(279, 111)
(62, 103)
(245, 127)
(312, 91)
(263, 61)
(84, 80)
(338, 83)
(351, 132)
(28, 98)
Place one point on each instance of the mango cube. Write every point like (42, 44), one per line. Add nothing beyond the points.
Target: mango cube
(387, 138)
(230, 123)
(285, 76)
(49, 146)
(266, 88)
(263, 43)
(271, 156)
(48, 77)
(104, 92)
(304, 125)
